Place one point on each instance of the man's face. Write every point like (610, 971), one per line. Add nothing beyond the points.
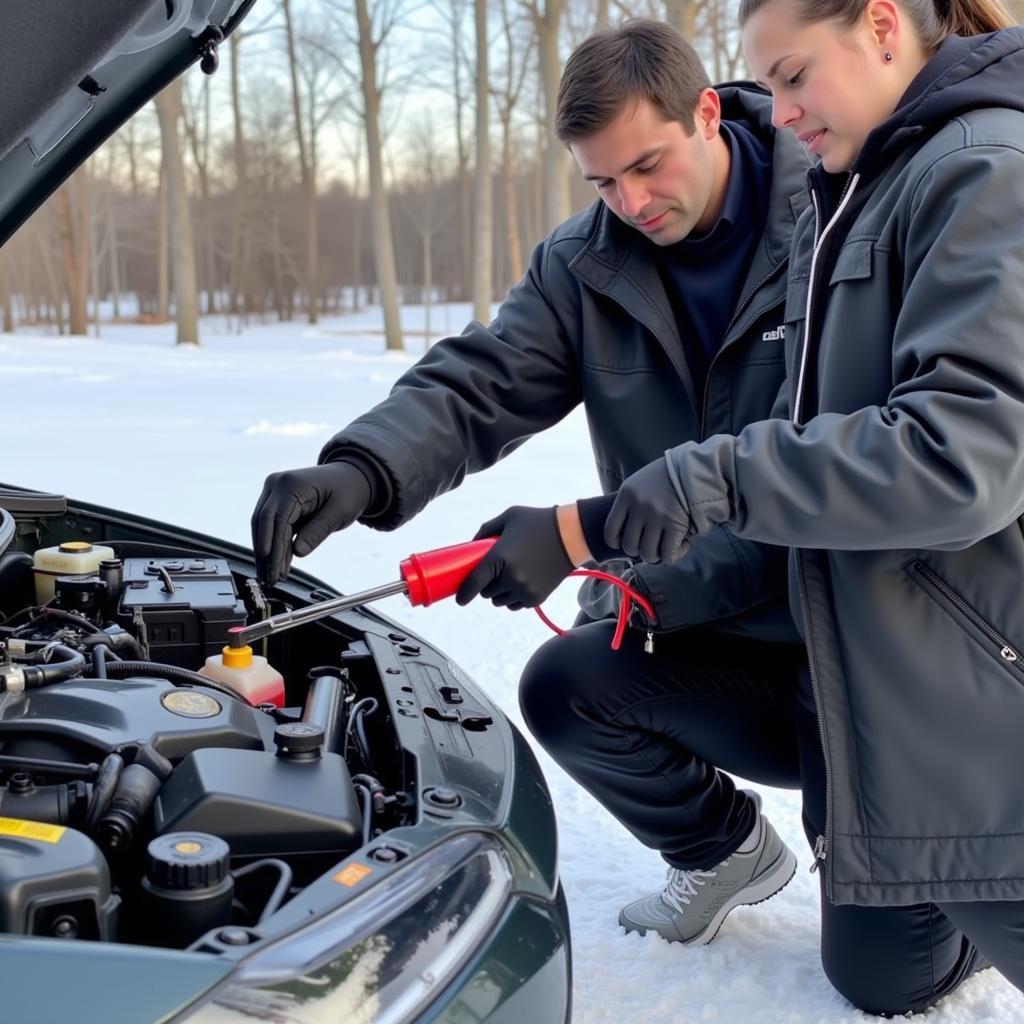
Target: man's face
(650, 173)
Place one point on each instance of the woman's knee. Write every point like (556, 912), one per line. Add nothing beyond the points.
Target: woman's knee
(877, 986)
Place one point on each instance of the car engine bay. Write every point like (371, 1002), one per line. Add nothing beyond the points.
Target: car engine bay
(145, 803)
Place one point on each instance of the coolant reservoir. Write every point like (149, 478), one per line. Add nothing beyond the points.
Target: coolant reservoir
(73, 558)
(247, 673)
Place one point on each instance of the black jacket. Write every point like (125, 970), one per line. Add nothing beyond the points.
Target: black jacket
(900, 480)
(590, 322)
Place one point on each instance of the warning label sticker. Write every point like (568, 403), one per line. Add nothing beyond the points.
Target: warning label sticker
(352, 875)
(31, 830)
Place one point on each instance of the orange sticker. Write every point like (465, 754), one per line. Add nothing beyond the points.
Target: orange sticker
(352, 875)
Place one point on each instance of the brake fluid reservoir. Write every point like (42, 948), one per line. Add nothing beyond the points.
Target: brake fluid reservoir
(247, 673)
(73, 558)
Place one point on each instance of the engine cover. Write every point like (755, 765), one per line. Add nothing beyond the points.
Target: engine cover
(84, 719)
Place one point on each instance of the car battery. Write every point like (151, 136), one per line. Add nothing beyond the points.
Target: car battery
(186, 606)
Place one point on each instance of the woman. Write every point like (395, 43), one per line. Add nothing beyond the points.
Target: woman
(898, 480)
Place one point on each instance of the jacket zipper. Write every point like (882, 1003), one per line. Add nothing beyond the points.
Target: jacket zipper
(1006, 650)
(740, 310)
(819, 245)
(821, 844)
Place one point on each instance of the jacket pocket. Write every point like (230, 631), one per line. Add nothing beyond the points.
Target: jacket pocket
(796, 301)
(978, 628)
(854, 262)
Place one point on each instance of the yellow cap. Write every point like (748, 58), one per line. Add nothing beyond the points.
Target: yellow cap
(75, 546)
(237, 657)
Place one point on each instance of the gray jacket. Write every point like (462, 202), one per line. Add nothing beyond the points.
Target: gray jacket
(900, 482)
(590, 322)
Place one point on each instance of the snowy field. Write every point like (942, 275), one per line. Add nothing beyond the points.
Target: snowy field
(188, 435)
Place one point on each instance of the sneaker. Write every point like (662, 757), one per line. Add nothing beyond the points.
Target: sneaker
(693, 905)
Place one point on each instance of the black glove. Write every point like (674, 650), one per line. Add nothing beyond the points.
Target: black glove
(648, 520)
(526, 564)
(307, 504)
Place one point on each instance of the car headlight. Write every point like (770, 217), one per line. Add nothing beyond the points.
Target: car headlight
(381, 958)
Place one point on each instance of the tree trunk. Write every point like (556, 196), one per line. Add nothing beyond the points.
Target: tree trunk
(465, 236)
(56, 298)
(238, 272)
(306, 168)
(169, 110)
(72, 218)
(508, 175)
(357, 243)
(682, 15)
(556, 175)
(6, 295)
(163, 265)
(483, 213)
(428, 285)
(115, 255)
(94, 264)
(383, 247)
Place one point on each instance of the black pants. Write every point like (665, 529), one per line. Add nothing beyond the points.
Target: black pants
(651, 736)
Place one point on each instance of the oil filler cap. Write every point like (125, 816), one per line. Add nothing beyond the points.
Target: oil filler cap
(187, 860)
(299, 741)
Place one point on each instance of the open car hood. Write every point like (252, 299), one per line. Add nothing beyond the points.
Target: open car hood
(72, 73)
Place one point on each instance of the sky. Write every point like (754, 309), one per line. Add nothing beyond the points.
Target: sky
(187, 435)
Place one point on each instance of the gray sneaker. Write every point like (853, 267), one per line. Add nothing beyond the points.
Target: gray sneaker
(693, 905)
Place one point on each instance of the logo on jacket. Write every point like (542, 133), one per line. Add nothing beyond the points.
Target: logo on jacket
(779, 334)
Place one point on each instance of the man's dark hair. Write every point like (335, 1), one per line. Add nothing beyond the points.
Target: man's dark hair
(640, 60)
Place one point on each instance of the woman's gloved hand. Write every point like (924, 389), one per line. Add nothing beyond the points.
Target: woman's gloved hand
(649, 519)
(526, 564)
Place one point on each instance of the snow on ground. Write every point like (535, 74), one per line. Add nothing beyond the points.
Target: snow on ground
(188, 435)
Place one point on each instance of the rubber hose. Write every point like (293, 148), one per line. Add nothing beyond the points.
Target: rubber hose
(172, 673)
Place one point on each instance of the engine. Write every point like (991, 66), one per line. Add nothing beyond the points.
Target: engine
(140, 801)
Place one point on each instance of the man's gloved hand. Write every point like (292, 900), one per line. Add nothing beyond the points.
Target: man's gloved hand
(306, 504)
(648, 520)
(526, 564)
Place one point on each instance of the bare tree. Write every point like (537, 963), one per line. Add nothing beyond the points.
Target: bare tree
(518, 52)
(6, 295)
(238, 272)
(197, 131)
(372, 32)
(307, 165)
(163, 247)
(353, 148)
(73, 213)
(169, 111)
(425, 205)
(483, 213)
(682, 14)
(454, 12)
(547, 22)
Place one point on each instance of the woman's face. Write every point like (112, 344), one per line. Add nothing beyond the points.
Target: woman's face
(830, 84)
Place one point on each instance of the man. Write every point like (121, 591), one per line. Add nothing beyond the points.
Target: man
(659, 308)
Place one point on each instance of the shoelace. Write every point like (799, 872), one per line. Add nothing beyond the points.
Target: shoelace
(682, 885)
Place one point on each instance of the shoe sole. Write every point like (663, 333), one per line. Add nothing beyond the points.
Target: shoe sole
(761, 892)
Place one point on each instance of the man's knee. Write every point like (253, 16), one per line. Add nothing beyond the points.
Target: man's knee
(550, 685)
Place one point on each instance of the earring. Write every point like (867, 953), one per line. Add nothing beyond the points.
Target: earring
(888, 56)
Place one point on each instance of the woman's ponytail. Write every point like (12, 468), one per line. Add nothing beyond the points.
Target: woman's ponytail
(972, 17)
